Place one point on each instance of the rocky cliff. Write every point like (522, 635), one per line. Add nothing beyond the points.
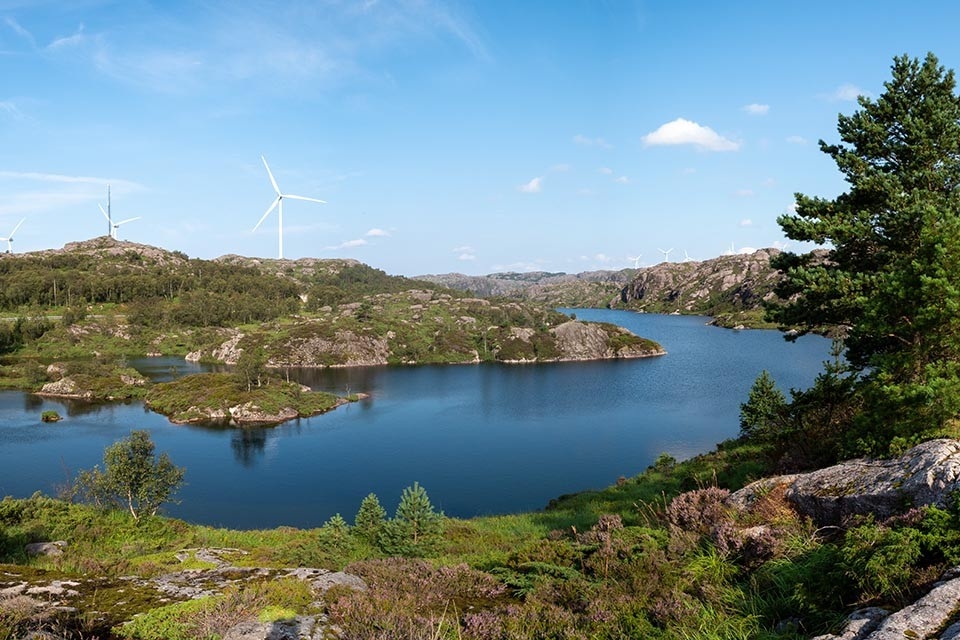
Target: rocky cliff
(732, 285)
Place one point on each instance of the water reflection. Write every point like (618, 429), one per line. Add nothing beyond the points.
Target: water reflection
(248, 444)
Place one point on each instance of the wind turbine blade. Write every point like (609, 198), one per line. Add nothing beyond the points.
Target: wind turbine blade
(305, 198)
(117, 224)
(10, 237)
(270, 173)
(264, 216)
(103, 211)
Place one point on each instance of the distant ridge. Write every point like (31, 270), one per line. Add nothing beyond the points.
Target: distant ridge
(732, 287)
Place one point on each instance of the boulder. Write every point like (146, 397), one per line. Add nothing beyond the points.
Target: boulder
(925, 475)
(923, 619)
(50, 549)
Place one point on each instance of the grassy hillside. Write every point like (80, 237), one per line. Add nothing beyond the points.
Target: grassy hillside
(655, 556)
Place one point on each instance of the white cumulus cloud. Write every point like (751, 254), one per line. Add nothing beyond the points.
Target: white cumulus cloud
(757, 109)
(746, 222)
(796, 140)
(682, 131)
(466, 256)
(534, 186)
(622, 180)
(377, 233)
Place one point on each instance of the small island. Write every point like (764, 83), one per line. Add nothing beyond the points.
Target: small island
(223, 398)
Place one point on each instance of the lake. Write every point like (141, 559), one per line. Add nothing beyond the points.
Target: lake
(482, 439)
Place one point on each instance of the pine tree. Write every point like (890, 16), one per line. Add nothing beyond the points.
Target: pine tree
(369, 519)
(763, 409)
(891, 279)
(416, 530)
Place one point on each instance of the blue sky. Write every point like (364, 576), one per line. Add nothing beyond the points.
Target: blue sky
(559, 135)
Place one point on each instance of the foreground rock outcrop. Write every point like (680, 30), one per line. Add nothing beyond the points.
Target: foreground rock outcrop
(48, 597)
(928, 617)
(927, 474)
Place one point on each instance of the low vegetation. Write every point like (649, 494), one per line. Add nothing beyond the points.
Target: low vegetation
(661, 555)
(209, 397)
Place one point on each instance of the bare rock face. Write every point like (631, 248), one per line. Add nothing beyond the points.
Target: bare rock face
(65, 387)
(925, 475)
(741, 281)
(922, 619)
(345, 349)
(580, 341)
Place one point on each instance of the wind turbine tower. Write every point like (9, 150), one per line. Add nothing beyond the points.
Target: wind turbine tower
(278, 204)
(636, 260)
(108, 213)
(9, 238)
(666, 254)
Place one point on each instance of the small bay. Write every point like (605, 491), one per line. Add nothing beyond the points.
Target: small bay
(482, 439)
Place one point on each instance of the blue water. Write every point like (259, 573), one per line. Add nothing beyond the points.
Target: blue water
(482, 439)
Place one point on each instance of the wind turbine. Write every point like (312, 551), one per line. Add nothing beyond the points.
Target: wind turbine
(686, 256)
(9, 238)
(636, 260)
(666, 254)
(278, 204)
(114, 225)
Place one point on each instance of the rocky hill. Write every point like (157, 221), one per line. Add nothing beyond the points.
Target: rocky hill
(730, 288)
(110, 298)
(420, 327)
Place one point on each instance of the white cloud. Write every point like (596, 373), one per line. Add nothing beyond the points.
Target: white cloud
(607, 171)
(561, 168)
(534, 186)
(796, 140)
(20, 30)
(464, 248)
(466, 256)
(57, 177)
(681, 131)
(792, 207)
(78, 38)
(602, 257)
(9, 108)
(349, 244)
(847, 93)
(745, 251)
(757, 109)
(743, 193)
(377, 233)
(746, 222)
(592, 142)
(622, 180)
